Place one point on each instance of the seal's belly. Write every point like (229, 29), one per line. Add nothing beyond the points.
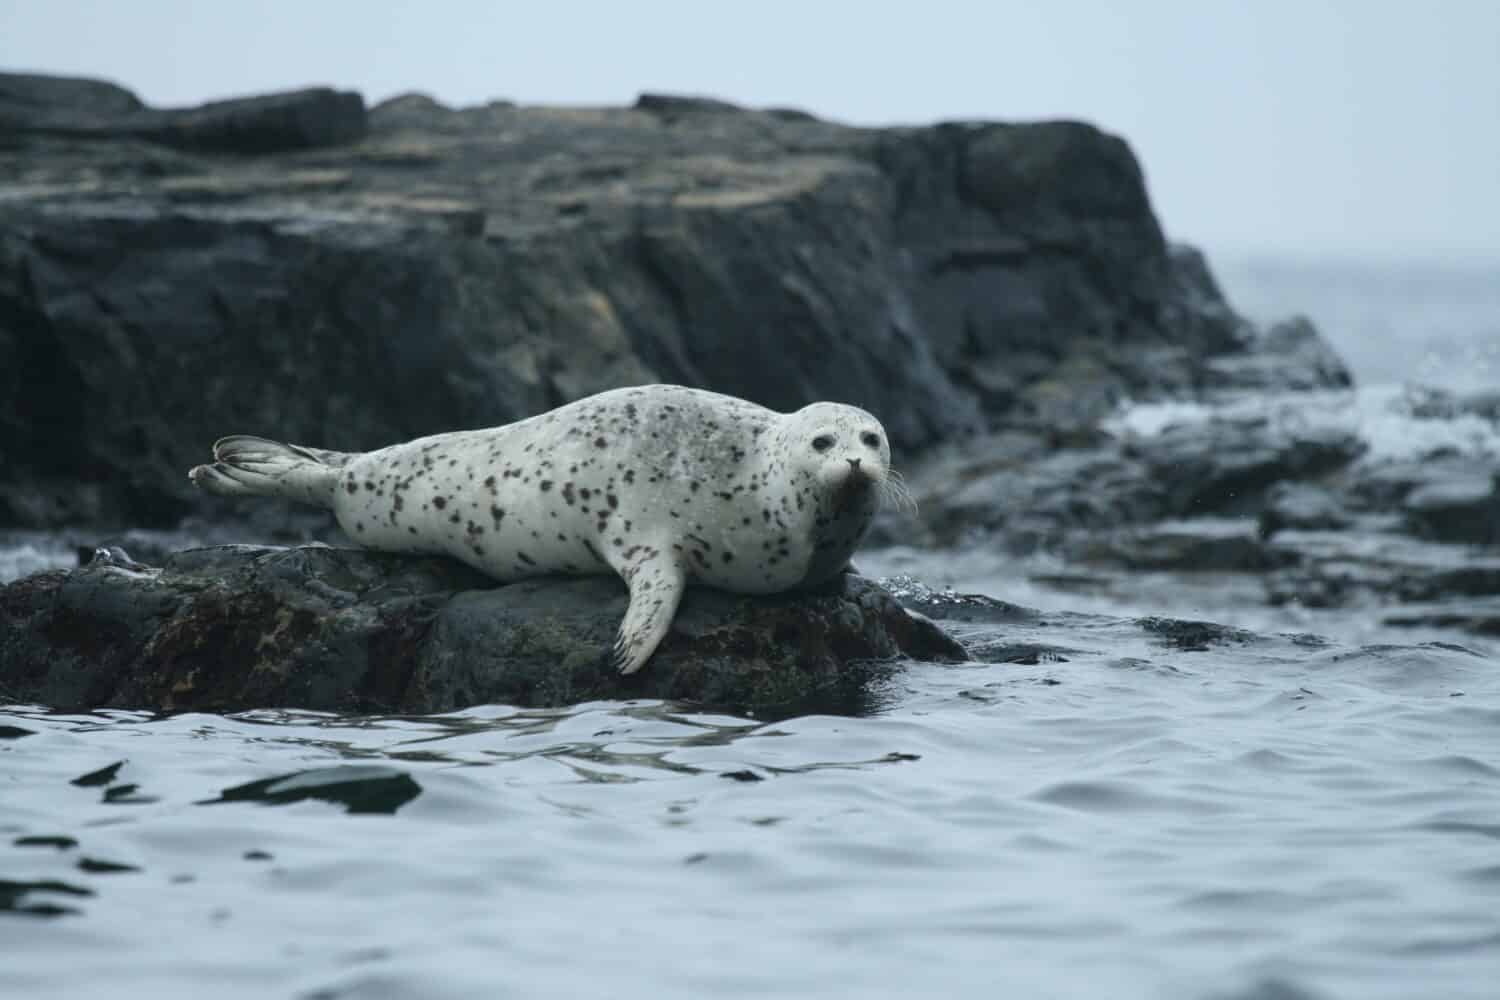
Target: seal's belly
(460, 495)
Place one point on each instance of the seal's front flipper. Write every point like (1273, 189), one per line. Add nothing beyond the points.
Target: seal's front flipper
(656, 586)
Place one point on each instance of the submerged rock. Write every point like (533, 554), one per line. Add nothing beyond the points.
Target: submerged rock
(239, 627)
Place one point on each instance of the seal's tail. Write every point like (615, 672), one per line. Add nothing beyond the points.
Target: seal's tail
(247, 466)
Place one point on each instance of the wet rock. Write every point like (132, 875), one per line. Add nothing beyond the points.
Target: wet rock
(1193, 636)
(1369, 566)
(1200, 545)
(946, 605)
(1028, 499)
(239, 627)
(1430, 403)
(1301, 507)
(1027, 492)
(1462, 508)
(1226, 465)
(1288, 355)
(1481, 617)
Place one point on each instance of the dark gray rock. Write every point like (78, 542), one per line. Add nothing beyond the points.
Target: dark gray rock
(1301, 507)
(1481, 617)
(1226, 465)
(1030, 490)
(240, 627)
(1195, 546)
(676, 104)
(91, 109)
(1290, 355)
(1429, 403)
(1461, 508)
(28, 97)
(1371, 567)
(467, 267)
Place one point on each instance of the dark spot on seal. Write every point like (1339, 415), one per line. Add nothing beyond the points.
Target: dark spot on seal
(546, 485)
(412, 529)
(614, 501)
(585, 492)
(630, 475)
(369, 485)
(440, 502)
(567, 493)
(359, 526)
(525, 559)
(498, 513)
(489, 483)
(599, 442)
(455, 518)
(351, 486)
(694, 485)
(478, 550)
(728, 557)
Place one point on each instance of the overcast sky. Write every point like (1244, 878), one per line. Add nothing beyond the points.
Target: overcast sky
(1342, 127)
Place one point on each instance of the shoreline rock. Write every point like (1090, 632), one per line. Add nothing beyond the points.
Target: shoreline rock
(230, 628)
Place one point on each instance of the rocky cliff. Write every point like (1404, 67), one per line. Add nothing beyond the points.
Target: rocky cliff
(298, 267)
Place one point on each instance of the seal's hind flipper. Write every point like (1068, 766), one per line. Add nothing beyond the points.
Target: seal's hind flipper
(252, 466)
(656, 585)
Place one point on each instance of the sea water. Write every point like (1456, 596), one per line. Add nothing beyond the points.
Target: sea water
(1307, 808)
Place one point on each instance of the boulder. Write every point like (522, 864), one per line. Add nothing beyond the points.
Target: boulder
(230, 628)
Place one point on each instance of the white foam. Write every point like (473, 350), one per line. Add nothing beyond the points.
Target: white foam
(1381, 415)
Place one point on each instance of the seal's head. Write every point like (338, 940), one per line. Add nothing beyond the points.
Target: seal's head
(842, 448)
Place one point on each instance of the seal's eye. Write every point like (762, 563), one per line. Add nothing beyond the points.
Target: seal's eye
(871, 440)
(822, 442)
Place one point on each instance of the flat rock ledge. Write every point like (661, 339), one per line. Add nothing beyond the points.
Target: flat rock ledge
(233, 628)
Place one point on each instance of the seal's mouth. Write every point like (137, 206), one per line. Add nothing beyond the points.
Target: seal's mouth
(853, 489)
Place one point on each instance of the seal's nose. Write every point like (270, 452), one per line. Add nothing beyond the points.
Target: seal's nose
(853, 462)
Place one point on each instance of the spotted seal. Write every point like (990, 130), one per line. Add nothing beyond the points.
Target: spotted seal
(660, 484)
